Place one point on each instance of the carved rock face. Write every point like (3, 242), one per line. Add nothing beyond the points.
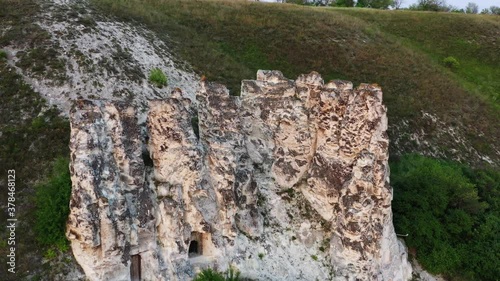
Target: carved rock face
(288, 171)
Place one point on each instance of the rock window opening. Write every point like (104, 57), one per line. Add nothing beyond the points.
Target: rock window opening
(195, 123)
(135, 268)
(148, 162)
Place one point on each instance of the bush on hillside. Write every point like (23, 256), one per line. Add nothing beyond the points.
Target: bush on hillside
(451, 213)
(430, 5)
(298, 2)
(342, 3)
(157, 77)
(451, 62)
(52, 206)
(495, 10)
(471, 8)
(375, 4)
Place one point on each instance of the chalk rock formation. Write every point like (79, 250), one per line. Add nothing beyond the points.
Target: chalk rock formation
(111, 209)
(287, 182)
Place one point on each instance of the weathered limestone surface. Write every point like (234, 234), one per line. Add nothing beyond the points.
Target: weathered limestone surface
(110, 208)
(287, 182)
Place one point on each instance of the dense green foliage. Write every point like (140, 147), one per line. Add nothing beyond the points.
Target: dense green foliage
(452, 215)
(52, 205)
(157, 77)
(430, 5)
(376, 4)
(343, 3)
(495, 10)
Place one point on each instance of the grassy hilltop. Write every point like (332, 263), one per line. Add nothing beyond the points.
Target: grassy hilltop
(403, 51)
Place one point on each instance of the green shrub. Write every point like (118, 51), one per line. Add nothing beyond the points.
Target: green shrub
(261, 255)
(343, 3)
(3, 54)
(38, 123)
(314, 257)
(157, 77)
(451, 62)
(209, 274)
(50, 254)
(297, 2)
(52, 206)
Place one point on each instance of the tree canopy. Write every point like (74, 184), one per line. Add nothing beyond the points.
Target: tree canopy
(451, 214)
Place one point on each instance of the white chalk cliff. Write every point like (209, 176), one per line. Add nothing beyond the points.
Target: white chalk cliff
(289, 181)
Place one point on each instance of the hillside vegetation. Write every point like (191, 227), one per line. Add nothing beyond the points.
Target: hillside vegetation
(402, 51)
(32, 136)
(472, 39)
(451, 214)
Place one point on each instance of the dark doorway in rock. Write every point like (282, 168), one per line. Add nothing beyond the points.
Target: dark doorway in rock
(146, 158)
(193, 248)
(195, 244)
(135, 268)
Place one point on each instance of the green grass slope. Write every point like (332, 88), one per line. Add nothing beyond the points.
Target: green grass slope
(401, 51)
(474, 40)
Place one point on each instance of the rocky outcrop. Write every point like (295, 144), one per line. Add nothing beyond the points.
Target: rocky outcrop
(111, 209)
(288, 181)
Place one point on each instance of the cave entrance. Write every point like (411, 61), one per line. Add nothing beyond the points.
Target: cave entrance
(135, 268)
(196, 244)
(193, 248)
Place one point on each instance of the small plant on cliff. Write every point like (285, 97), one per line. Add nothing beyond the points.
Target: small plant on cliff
(157, 77)
(52, 207)
(3, 54)
(50, 254)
